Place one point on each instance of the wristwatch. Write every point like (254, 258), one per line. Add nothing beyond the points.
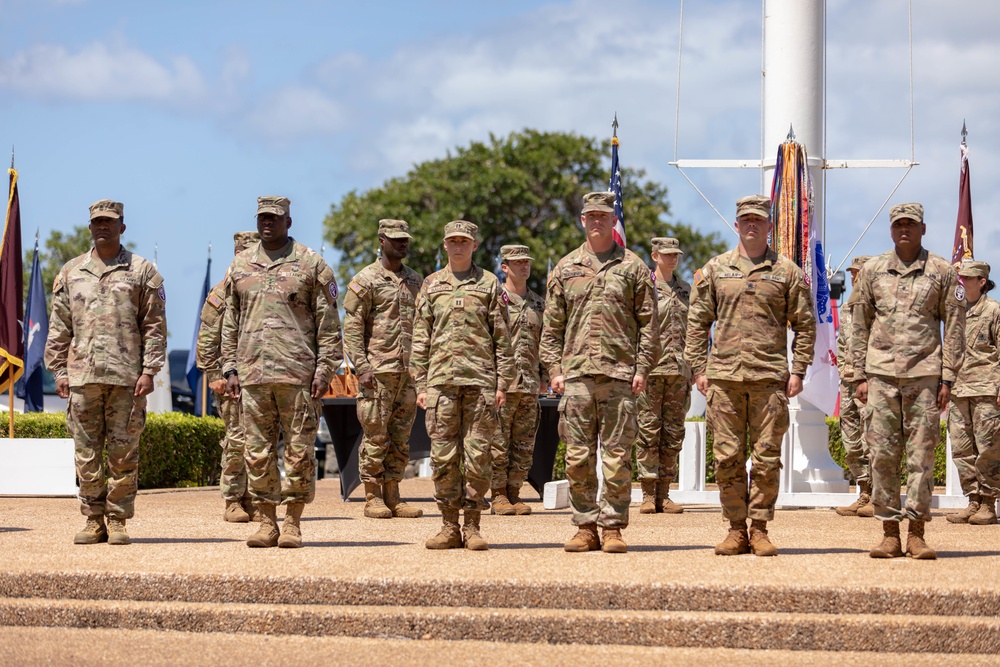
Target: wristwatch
(229, 374)
(947, 382)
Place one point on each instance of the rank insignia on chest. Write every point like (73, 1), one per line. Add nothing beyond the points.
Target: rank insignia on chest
(459, 302)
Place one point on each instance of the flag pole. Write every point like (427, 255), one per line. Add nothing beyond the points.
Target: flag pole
(10, 388)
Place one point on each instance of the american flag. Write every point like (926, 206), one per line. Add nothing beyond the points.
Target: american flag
(615, 186)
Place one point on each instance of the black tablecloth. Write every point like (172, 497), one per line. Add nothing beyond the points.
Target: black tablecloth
(341, 416)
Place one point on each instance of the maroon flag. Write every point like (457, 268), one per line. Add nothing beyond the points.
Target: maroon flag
(962, 248)
(11, 292)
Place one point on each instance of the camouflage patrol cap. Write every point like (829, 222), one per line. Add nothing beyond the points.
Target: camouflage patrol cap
(858, 262)
(913, 211)
(599, 201)
(274, 205)
(514, 252)
(972, 269)
(106, 208)
(666, 246)
(242, 240)
(461, 228)
(758, 205)
(394, 229)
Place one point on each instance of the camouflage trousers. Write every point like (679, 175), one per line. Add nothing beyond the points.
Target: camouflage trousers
(233, 481)
(106, 419)
(462, 424)
(855, 418)
(386, 413)
(511, 454)
(905, 416)
(270, 410)
(736, 409)
(974, 427)
(598, 412)
(662, 408)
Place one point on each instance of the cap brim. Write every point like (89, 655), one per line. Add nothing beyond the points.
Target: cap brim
(602, 209)
(670, 251)
(396, 235)
(465, 234)
(970, 275)
(270, 209)
(517, 257)
(105, 214)
(759, 212)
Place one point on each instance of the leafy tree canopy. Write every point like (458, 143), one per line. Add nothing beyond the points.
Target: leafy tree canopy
(525, 188)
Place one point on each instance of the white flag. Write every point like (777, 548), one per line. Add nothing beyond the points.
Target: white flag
(160, 400)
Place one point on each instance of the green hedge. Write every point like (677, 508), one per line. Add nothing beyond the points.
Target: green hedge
(835, 444)
(175, 450)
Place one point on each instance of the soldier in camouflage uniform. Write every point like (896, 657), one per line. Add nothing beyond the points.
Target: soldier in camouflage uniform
(233, 481)
(379, 308)
(511, 454)
(462, 363)
(281, 345)
(665, 402)
(752, 295)
(600, 340)
(973, 414)
(107, 340)
(906, 371)
(854, 415)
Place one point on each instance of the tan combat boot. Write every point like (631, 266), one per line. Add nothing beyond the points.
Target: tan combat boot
(398, 507)
(246, 502)
(736, 541)
(93, 532)
(760, 544)
(612, 542)
(864, 500)
(500, 504)
(235, 513)
(291, 530)
(890, 547)
(648, 505)
(521, 508)
(964, 515)
(267, 534)
(663, 502)
(987, 513)
(586, 539)
(450, 536)
(470, 532)
(374, 505)
(116, 531)
(915, 545)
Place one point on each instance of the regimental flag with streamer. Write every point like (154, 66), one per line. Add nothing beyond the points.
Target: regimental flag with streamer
(962, 248)
(615, 186)
(796, 237)
(11, 291)
(36, 333)
(194, 375)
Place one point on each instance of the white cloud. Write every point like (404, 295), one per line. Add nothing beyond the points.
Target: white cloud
(295, 112)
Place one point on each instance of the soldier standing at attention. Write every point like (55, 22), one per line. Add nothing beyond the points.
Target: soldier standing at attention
(379, 308)
(600, 340)
(511, 454)
(973, 414)
(462, 363)
(752, 294)
(664, 404)
(281, 346)
(854, 415)
(107, 340)
(906, 372)
(233, 480)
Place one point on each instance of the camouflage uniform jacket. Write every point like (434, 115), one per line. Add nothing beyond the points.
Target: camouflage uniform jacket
(752, 312)
(672, 299)
(281, 324)
(980, 373)
(460, 335)
(108, 325)
(897, 315)
(209, 349)
(600, 320)
(379, 307)
(844, 367)
(525, 316)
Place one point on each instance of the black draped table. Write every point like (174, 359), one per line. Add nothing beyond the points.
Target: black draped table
(341, 415)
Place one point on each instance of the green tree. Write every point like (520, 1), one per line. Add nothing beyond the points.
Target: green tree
(524, 188)
(58, 249)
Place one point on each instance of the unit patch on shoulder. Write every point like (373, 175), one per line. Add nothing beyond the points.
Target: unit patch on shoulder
(333, 289)
(699, 277)
(215, 301)
(504, 297)
(652, 276)
(162, 293)
(960, 292)
(355, 287)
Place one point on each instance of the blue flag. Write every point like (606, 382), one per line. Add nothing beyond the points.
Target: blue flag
(36, 332)
(615, 186)
(194, 375)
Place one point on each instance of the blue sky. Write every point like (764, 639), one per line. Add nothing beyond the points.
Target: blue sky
(187, 111)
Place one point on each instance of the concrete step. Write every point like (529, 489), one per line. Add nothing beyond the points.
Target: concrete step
(506, 594)
(738, 630)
